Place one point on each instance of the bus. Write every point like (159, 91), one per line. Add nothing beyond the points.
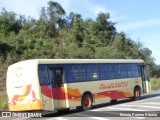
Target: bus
(61, 84)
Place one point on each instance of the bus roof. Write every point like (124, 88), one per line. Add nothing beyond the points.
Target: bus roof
(79, 61)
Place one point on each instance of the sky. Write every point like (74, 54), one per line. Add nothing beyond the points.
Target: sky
(139, 19)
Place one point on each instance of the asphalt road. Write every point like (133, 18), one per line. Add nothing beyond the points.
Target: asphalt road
(148, 108)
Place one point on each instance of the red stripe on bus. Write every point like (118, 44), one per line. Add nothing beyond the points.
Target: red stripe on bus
(58, 93)
(112, 94)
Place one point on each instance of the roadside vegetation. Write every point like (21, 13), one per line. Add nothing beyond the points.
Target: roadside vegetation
(155, 84)
(3, 101)
(58, 35)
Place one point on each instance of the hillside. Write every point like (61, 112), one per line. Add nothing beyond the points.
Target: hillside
(58, 35)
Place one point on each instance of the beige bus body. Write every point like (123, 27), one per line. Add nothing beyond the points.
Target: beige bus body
(26, 93)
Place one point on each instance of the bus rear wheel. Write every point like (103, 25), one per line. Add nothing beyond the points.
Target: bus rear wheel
(87, 102)
(137, 93)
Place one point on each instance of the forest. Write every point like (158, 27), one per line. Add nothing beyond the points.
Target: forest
(57, 35)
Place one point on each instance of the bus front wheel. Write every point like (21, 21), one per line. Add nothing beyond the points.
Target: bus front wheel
(87, 102)
(137, 93)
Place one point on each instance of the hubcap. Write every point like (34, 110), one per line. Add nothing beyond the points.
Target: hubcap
(87, 102)
(137, 93)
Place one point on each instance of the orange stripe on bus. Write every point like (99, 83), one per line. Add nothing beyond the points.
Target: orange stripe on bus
(36, 105)
(74, 94)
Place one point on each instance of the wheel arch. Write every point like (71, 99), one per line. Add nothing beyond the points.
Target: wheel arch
(137, 86)
(89, 93)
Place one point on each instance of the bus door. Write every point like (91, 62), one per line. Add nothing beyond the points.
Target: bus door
(145, 79)
(46, 87)
(56, 80)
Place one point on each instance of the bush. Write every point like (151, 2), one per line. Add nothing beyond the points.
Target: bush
(155, 84)
(3, 101)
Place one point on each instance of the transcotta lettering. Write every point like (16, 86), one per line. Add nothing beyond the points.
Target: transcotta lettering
(113, 85)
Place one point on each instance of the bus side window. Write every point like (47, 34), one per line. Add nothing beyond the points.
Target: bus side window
(51, 77)
(42, 74)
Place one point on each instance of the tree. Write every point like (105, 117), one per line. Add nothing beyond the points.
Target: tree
(9, 23)
(55, 12)
(57, 35)
(108, 52)
(106, 28)
(4, 50)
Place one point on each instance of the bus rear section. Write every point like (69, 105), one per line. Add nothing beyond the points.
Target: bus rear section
(22, 87)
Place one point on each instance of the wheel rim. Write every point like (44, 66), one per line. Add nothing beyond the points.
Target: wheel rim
(137, 93)
(87, 102)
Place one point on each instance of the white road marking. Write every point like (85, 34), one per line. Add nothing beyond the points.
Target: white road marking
(14, 118)
(20, 118)
(117, 108)
(126, 109)
(140, 118)
(133, 105)
(99, 118)
(57, 118)
(155, 103)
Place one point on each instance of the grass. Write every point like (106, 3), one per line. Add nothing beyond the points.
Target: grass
(155, 84)
(3, 101)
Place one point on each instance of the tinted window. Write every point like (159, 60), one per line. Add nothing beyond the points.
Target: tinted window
(51, 76)
(83, 68)
(87, 69)
(68, 69)
(93, 68)
(132, 67)
(89, 72)
(122, 67)
(80, 73)
(116, 67)
(106, 75)
(84, 77)
(108, 67)
(89, 76)
(132, 70)
(77, 77)
(76, 69)
(101, 67)
(42, 74)
(117, 75)
(123, 74)
(120, 71)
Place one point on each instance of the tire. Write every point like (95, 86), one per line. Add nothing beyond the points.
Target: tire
(87, 102)
(137, 94)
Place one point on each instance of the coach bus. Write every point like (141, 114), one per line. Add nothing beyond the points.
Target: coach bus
(60, 84)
